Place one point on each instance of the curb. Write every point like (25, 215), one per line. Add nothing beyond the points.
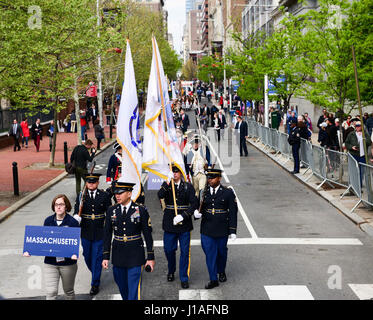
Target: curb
(359, 221)
(20, 203)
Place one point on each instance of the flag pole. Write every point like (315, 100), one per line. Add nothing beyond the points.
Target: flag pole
(165, 123)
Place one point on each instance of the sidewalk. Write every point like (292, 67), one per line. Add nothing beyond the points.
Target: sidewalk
(362, 216)
(33, 170)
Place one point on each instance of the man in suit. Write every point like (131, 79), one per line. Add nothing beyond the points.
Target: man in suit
(221, 122)
(16, 132)
(241, 125)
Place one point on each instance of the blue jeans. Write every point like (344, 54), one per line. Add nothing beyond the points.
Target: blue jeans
(83, 132)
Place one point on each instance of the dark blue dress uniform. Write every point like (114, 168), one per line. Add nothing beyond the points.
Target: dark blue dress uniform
(294, 141)
(92, 228)
(114, 163)
(186, 202)
(219, 220)
(127, 246)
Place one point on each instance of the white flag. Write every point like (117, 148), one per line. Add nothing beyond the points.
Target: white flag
(161, 146)
(128, 128)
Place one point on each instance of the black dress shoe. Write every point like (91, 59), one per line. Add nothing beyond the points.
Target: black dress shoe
(185, 285)
(222, 277)
(94, 290)
(170, 277)
(212, 284)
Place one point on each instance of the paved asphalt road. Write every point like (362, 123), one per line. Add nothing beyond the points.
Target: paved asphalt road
(291, 243)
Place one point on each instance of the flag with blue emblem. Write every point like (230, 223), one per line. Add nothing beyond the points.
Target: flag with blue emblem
(161, 147)
(128, 128)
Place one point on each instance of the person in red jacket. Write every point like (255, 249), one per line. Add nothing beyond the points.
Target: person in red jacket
(25, 131)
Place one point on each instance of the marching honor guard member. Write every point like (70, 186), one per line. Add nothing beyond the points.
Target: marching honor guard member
(90, 212)
(126, 220)
(178, 227)
(113, 171)
(219, 220)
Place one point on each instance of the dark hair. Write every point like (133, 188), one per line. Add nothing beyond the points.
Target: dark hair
(96, 122)
(88, 142)
(65, 199)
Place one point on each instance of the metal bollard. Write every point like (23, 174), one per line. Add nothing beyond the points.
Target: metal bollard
(111, 131)
(15, 179)
(65, 152)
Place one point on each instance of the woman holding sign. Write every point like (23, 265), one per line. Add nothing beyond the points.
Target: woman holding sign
(60, 268)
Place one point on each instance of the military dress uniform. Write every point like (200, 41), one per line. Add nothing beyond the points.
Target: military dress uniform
(186, 202)
(219, 220)
(92, 228)
(126, 223)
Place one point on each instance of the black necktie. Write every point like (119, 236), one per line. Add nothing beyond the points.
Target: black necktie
(124, 210)
(92, 195)
(213, 192)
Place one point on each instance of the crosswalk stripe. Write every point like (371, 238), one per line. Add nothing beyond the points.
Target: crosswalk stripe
(284, 241)
(363, 291)
(287, 292)
(201, 294)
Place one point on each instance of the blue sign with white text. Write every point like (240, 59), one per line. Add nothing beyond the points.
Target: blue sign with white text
(52, 241)
(154, 182)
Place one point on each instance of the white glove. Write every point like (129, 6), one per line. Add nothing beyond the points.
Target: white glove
(197, 215)
(170, 176)
(232, 236)
(178, 219)
(77, 218)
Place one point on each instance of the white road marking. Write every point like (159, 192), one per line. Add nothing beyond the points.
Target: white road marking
(111, 297)
(288, 293)
(363, 291)
(284, 241)
(201, 294)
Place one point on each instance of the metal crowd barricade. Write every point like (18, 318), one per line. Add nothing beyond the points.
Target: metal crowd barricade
(305, 153)
(336, 169)
(318, 164)
(353, 179)
(367, 183)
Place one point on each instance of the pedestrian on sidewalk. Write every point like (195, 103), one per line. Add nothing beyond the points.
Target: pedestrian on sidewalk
(60, 268)
(294, 141)
(81, 156)
(355, 146)
(16, 132)
(83, 125)
(73, 121)
(50, 133)
(95, 203)
(99, 133)
(25, 132)
(37, 134)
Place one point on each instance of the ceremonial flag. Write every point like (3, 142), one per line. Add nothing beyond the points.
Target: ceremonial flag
(128, 128)
(161, 146)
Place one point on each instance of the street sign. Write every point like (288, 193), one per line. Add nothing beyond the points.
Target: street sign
(52, 241)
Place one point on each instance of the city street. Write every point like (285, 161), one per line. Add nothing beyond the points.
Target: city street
(291, 243)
